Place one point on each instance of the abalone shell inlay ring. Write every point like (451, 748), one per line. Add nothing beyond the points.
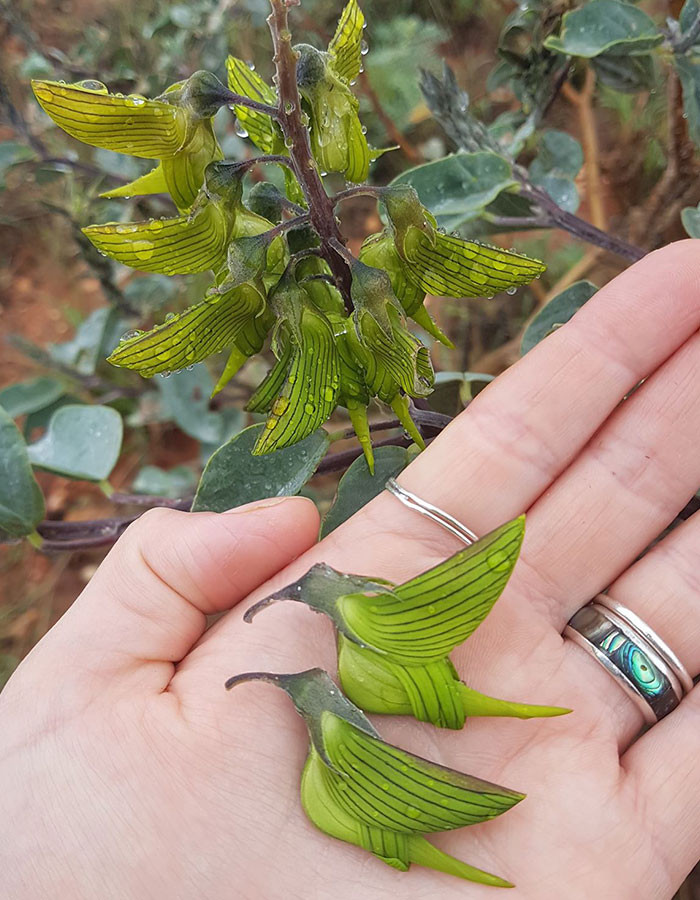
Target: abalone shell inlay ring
(641, 663)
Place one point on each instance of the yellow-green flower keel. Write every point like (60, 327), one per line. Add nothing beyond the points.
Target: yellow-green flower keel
(361, 790)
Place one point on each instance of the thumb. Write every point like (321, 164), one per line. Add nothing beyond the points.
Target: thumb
(148, 601)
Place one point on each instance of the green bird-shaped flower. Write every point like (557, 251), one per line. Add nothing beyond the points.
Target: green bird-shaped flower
(188, 243)
(338, 141)
(175, 128)
(359, 789)
(430, 261)
(234, 314)
(394, 640)
(301, 389)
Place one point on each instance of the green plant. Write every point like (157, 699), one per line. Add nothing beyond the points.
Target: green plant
(281, 272)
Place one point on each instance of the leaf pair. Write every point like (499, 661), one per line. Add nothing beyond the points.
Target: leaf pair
(361, 790)
(175, 128)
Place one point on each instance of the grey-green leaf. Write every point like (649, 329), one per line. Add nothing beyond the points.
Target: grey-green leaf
(233, 476)
(30, 396)
(185, 397)
(93, 340)
(454, 390)
(80, 442)
(557, 312)
(172, 483)
(457, 188)
(558, 153)
(690, 216)
(688, 68)
(357, 486)
(21, 501)
(605, 26)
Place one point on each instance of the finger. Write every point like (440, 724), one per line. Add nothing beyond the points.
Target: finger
(609, 505)
(663, 588)
(662, 764)
(149, 599)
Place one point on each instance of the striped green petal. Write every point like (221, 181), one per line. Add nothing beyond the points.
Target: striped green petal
(345, 47)
(436, 611)
(379, 251)
(310, 391)
(175, 246)
(134, 125)
(191, 336)
(378, 684)
(445, 265)
(392, 365)
(262, 130)
(390, 788)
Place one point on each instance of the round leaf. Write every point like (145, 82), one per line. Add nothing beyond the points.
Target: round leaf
(233, 476)
(80, 442)
(557, 312)
(690, 217)
(605, 25)
(21, 501)
(457, 188)
(30, 396)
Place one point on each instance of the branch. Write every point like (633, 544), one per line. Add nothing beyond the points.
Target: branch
(575, 225)
(240, 100)
(94, 533)
(686, 40)
(288, 114)
(582, 100)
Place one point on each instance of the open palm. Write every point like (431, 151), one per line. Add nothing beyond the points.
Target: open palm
(127, 771)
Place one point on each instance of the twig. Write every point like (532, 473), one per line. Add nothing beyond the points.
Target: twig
(686, 40)
(93, 533)
(582, 100)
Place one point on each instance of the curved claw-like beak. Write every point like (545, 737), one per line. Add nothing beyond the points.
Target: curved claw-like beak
(286, 593)
(269, 677)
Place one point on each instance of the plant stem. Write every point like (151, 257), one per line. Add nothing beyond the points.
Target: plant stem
(288, 114)
(583, 101)
(575, 225)
(240, 100)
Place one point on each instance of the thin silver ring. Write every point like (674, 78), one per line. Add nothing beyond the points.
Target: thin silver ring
(416, 503)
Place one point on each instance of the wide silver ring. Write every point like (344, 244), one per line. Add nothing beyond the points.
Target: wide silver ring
(639, 661)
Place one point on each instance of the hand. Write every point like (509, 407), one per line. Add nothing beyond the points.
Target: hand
(127, 771)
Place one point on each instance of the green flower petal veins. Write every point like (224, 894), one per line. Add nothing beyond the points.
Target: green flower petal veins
(439, 609)
(310, 392)
(177, 246)
(362, 790)
(345, 48)
(260, 128)
(152, 129)
(171, 128)
(451, 266)
(446, 265)
(217, 322)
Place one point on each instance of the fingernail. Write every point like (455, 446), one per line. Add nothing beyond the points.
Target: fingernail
(259, 504)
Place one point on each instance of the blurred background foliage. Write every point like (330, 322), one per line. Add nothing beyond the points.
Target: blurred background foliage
(613, 141)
